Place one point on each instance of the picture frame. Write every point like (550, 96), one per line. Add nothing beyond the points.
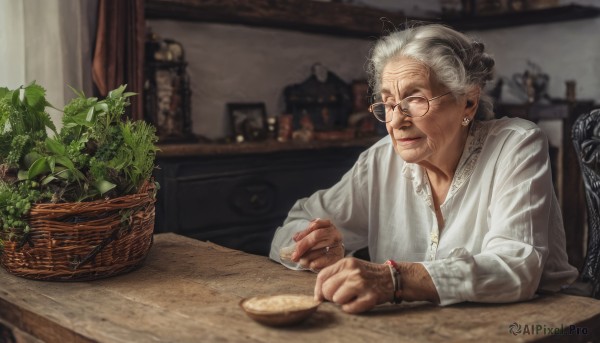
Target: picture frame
(248, 121)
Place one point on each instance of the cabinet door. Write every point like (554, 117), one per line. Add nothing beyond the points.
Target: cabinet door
(239, 201)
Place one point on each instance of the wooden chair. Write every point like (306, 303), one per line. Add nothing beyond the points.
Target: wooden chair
(586, 138)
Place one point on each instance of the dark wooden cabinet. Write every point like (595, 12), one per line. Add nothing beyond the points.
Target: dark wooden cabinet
(238, 198)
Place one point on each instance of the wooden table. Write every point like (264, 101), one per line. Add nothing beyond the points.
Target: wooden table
(188, 291)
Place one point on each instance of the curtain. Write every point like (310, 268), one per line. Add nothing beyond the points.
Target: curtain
(50, 42)
(119, 51)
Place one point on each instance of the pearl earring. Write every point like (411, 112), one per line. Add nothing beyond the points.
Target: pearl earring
(465, 121)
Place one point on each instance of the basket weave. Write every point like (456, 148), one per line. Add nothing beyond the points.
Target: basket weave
(84, 240)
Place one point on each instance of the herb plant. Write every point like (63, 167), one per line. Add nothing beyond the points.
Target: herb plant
(97, 154)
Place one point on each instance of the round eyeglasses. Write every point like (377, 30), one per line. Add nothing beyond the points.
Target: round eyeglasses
(412, 106)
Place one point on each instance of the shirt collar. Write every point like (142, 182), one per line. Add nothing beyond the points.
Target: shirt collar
(473, 146)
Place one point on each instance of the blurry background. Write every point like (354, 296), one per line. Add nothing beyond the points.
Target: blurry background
(52, 41)
(241, 63)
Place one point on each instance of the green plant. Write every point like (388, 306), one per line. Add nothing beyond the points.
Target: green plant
(97, 153)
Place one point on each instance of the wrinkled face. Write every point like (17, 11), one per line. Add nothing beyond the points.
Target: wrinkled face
(438, 136)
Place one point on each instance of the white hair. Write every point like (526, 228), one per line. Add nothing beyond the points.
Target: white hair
(457, 61)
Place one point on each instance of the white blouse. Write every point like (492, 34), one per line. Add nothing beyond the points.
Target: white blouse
(502, 239)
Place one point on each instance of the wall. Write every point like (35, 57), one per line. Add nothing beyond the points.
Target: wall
(235, 63)
(567, 51)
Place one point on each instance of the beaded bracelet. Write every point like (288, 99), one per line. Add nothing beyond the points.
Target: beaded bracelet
(394, 277)
(397, 279)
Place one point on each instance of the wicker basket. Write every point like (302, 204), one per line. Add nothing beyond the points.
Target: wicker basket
(86, 240)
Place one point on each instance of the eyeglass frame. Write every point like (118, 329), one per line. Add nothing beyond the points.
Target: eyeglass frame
(402, 112)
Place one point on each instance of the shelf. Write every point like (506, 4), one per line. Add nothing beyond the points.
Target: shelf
(542, 16)
(270, 146)
(298, 15)
(342, 19)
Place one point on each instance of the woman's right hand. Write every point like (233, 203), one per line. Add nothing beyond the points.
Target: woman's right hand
(355, 284)
(319, 245)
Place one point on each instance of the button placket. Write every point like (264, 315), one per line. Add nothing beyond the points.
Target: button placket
(423, 190)
(434, 242)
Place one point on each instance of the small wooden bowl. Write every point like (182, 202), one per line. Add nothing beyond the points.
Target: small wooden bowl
(280, 310)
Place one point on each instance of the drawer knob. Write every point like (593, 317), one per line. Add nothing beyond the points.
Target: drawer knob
(253, 199)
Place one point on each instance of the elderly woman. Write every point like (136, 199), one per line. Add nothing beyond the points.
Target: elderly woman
(452, 207)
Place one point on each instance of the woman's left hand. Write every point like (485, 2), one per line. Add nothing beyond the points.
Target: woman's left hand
(355, 284)
(319, 245)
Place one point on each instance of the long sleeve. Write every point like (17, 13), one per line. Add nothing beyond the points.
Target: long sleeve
(514, 251)
(344, 204)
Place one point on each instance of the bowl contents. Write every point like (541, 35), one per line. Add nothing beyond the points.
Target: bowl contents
(278, 310)
(280, 303)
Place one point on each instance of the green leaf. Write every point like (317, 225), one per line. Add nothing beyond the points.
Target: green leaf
(70, 174)
(117, 164)
(15, 97)
(81, 119)
(52, 106)
(78, 93)
(64, 174)
(70, 125)
(38, 167)
(46, 120)
(115, 93)
(128, 94)
(22, 175)
(35, 97)
(83, 139)
(51, 162)
(104, 186)
(90, 114)
(55, 146)
(48, 179)
(3, 92)
(64, 161)
(101, 107)
(127, 134)
(30, 158)
(78, 175)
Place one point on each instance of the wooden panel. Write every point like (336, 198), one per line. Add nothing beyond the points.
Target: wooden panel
(343, 19)
(302, 15)
(239, 200)
(11, 334)
(269, 146)
(249, 195)
(511, 19)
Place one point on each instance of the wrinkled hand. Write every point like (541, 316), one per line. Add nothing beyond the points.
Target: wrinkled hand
(312, 245)
(355, 284)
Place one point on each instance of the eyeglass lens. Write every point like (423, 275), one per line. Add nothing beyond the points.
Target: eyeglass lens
(413, 106)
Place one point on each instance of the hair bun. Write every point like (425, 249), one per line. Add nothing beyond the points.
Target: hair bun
(478, 46)
(487, 61)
